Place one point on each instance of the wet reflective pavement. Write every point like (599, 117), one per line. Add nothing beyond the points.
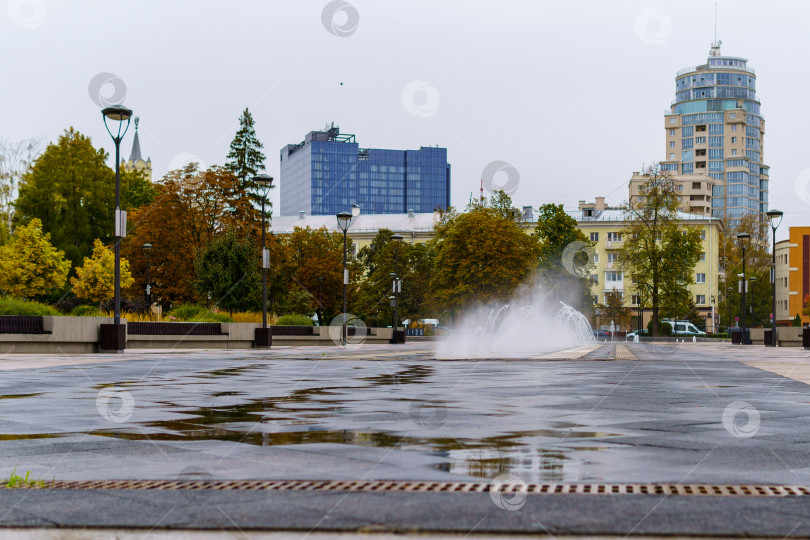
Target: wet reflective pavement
(676, 413)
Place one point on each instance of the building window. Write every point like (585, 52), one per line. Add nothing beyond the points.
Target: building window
(595, 258)
(671, 156)
(614, 237)
(680, 187)
(733, 151)
(702, 255)
(613, 257)
(733, 127)
(613, 276)
(594, 237)
(672, 132)
(700, 299)
(673, 120)
(732, 115)
(595, 299)
(595, 278)
(700, 278)
(703, 235)
(733, 140)
(635, 300)
(672, 144)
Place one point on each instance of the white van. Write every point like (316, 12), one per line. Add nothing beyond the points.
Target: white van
(685, 328)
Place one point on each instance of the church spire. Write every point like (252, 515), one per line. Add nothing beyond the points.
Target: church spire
(136, 144)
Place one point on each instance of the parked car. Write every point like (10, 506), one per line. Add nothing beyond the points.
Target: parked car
(600, 333)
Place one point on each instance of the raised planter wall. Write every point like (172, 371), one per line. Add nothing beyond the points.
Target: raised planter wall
(61, 335)
(77, 335)
(786, 336)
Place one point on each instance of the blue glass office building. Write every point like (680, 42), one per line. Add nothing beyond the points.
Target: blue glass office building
(328, 172)
(715, 127)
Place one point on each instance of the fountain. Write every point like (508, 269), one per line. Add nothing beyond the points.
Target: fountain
(577, 321)
(517, 332)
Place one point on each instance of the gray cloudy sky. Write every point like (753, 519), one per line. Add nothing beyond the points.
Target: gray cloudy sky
(572, 93)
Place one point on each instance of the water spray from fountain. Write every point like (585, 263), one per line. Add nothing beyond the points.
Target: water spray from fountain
(514, 331)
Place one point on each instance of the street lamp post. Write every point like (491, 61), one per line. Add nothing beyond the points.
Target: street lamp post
(147, 249)
(743, 238)
(344, 220)
(119, 114)
(397, 239)
(320, 301)
(263, 337)
(773, 215)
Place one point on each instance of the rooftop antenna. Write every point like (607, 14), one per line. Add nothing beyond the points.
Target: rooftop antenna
(715, 50)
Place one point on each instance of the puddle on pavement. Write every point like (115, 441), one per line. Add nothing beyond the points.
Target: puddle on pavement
(530, 453)
(410, 375)
(305, 416)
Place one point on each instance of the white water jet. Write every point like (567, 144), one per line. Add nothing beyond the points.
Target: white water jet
(512, 331)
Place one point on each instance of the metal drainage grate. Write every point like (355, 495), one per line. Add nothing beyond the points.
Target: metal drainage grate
(691, 490)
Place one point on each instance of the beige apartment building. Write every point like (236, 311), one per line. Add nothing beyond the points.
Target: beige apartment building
(694, 191)
(603, 225)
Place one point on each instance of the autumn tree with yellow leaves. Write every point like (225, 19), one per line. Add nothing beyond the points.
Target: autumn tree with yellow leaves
(95, 279)
(30, 265)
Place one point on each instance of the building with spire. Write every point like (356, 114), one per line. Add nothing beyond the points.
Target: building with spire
(715, 128)
(136, 161)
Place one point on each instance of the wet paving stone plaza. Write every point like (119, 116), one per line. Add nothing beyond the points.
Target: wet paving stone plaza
(610, 413)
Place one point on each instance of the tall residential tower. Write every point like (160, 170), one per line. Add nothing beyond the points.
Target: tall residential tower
(715, 127)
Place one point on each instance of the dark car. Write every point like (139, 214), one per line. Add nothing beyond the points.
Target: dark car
(601, 333)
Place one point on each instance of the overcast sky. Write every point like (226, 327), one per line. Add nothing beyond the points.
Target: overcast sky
(571, 93)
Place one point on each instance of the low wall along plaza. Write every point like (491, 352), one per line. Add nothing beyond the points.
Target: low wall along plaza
(77, 335)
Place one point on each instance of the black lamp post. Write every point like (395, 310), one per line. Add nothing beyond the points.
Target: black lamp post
(147, 249)
(320, 301)
(344, 220)
(397, 284)
(263, 338)
(773, 216)
(743, 238)
(119, 114)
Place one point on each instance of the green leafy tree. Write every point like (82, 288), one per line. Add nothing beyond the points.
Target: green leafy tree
(71, 190)
(380, 259)
(229, 269)
(29, 265)
(658, 251)
(757, 270)
(245, 158)
(564, 258)
(614, 310)
(95, 279)
(479, 257)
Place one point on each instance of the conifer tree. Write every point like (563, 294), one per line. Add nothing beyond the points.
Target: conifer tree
(245, 158)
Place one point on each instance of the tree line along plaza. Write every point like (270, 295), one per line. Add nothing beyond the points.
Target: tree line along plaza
(712, 186)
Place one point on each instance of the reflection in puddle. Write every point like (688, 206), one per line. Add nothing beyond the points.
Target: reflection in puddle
(410, 375)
